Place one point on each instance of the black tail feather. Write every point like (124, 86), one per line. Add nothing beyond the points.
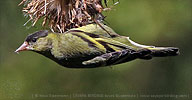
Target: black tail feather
(163, 52)
(159, 52)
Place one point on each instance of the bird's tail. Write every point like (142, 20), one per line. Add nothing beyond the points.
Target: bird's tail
(161, 52)
(155, 51)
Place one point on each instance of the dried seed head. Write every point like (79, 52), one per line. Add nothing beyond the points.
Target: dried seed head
(61, 15)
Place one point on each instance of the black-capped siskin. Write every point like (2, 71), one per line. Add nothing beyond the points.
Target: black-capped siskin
(90, 46)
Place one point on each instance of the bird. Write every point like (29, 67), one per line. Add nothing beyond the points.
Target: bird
(91, 46)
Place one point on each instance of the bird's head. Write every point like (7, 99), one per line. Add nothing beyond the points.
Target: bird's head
(37, 41)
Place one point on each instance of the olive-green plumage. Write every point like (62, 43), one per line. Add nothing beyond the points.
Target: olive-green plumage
(92, 46)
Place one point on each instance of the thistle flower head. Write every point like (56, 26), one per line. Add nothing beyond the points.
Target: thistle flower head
(61, 15)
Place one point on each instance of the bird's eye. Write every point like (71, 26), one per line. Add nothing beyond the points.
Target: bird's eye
(34, 40)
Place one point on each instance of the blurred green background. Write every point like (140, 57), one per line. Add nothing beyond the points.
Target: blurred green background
(153, 22)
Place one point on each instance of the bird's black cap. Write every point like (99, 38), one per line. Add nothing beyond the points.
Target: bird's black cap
(33, 37)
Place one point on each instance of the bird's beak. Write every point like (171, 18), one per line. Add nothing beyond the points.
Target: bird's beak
(23, 47)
